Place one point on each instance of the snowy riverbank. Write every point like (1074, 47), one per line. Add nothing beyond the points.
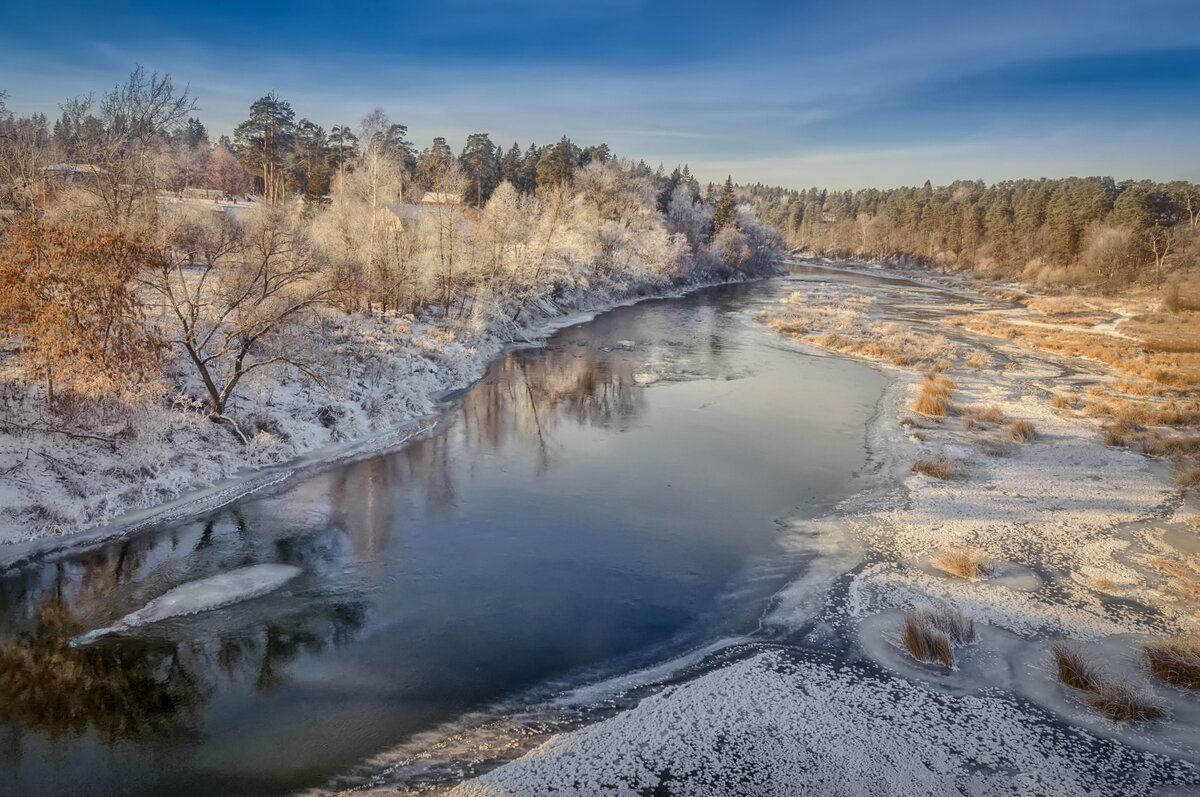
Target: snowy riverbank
(1077, 534)
(385, 376)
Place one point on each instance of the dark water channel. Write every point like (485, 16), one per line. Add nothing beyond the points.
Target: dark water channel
(585, 509)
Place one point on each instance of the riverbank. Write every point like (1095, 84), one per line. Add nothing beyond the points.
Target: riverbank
(384, 379)
(1082, 541)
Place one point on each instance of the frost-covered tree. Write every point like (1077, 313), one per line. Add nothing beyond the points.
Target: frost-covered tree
(365, 240)
(119, 148)
(26, 149)
(223, 173)
(229, 292)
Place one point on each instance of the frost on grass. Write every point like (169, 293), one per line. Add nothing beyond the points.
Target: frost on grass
(969, 563)
(1073, 668)
(1174, 661)
(839, 320)
(931, 634)
(937, 467)
(777, 725)
(1124, 702)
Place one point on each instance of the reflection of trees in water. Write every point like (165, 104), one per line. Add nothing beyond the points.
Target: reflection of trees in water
(143, 683)
(141, 686)
(119, 691)
(527, 397)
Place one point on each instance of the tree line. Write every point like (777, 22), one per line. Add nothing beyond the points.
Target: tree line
(124, 277)
(1055, 233)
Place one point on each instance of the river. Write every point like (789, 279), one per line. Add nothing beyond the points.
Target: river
(602, 504)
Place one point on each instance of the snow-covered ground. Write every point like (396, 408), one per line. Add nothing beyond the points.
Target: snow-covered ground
(1078, 532)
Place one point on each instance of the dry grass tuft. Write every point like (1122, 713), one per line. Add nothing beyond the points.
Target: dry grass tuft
(1073, 669)
(1059, 402)
(978, 360)
(1138, 387)
(981, 413)
(952, 622)
(1125, 703)
(931, 404)
(1184, 584)
(931, 634)
(1174, 661)
(937, 467)
(927, 644)
(1114, 438)
(1020, 431)
(938, 383)
(964, 563)
(1188, 476)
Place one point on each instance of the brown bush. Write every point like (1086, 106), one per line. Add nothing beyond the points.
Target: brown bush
(1060, 402)
(989, 414)
(926, 643)
(931, 404)
(1188, 476)
(977, 360)
(938, 383)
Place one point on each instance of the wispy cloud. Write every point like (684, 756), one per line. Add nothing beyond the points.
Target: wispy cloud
(705, 83)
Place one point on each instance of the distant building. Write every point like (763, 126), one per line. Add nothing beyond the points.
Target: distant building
(409, 218)
(73, 172)
(441, 198)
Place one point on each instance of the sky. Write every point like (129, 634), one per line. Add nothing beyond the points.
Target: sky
(836, 94)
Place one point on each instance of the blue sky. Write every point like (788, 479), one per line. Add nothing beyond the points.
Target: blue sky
(840, 93)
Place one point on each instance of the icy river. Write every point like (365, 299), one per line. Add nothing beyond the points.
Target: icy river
(612, 501)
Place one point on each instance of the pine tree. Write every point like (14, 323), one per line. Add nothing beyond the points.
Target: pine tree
(481, 166)
(529, 166)
(557, 164)
(723, 216)
(264, 141)
(510, 166)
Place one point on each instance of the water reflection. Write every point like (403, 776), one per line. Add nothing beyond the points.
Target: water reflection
(525, 398)
(118, 692)
(153, 681)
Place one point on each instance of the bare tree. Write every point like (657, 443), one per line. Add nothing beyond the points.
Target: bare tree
(230, 291)
(25, 152)
(121, 158)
